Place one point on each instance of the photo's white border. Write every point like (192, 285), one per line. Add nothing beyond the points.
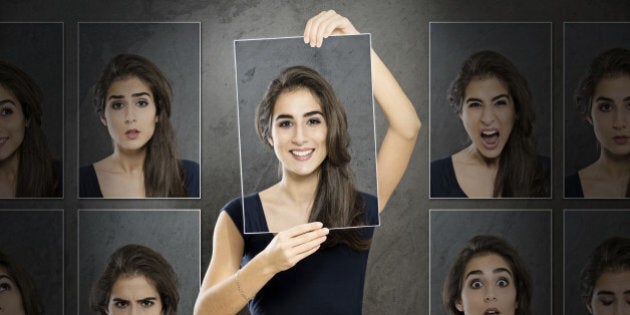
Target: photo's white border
(62, 102)
(551, 72)
(240, 144)
(78, 112)
(90, 210)
(524, 210)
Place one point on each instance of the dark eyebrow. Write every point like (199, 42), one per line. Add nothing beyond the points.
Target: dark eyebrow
(627, 98)
(604, 98)
(605, 293)
(120, 300)
(7, 101)
(132, 95)
(473, 272)
(151, 298)
(493, 99)
(309, 114)
(479, 272)
(5, 276)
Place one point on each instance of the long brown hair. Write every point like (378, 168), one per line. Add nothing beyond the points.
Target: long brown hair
(337, 203)
(137, 260)
(163, 172)
(609, 64)
(36, 173)
(612, 255)
(521, 172)
(25, 284)
(482, 245)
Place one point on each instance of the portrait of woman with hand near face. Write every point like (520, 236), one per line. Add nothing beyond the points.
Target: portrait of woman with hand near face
(133, 101)
(603, 99)
(493, 101)
(488, 277)
(27, 168)
(306, 268)
(606, 278)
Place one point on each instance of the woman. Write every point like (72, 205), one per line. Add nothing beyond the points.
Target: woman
(488, 277)
(494, 103)
(136, 279)
(603, 98)
(18, 295)
(264, 267)
(133, 100)
(26, 165)
(606, 278)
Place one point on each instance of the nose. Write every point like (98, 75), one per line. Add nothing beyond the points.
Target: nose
(490, 296)
(299, 136)
(487, 115)
(621, 118)
(130, 114)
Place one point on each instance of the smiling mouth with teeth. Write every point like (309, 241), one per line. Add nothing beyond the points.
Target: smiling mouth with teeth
(491, 312)
(301, 153)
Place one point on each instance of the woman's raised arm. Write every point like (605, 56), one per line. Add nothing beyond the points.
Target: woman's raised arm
(404, 124)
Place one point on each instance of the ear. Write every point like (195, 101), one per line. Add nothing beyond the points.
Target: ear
(459, 305)
(589, 307)
(103, 120)
(270, 141)
(590, 120)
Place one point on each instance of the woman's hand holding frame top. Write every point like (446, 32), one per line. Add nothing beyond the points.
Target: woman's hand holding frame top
(404, 124)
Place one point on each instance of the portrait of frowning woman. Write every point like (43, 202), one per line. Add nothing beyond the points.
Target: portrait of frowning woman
(603, 100)
(133, 100)
(493, 101)
(27, 168)
(488, 277)
(136, 280)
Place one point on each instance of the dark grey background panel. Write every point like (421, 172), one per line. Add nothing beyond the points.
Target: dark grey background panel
(527, 45)
(34, 240)
(584, 230)
(529, 232)
(172, 233)
(37, 49)
(344, 61)
(172, 47)
(583, 42)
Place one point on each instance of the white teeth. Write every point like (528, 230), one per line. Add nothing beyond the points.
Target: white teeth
(301, 153)
(489, 133)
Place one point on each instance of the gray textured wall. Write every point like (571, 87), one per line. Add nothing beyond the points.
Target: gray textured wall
(397, 280)
(173, 234)
(344, 61)
(582, 43)
(34, 240)
(600, 224)
(37, 49)
(528, 231)
(172, 47)
(452, 43)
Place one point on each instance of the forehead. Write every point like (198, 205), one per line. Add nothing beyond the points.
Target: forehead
(615, 281)
(6, 93)
(128, 85)
(296, 102)
(487, 263)
(485, 86)
(619, 84)
(134, 286)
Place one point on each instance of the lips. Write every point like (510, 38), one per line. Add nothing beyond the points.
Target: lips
(132, 134)
(3, 140)
(302, 154)
(492, 311)
(490, 138)
(620, 140)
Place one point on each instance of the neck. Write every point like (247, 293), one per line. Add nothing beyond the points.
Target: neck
(130, 160)
(299, 189)
(474, 155)
(614, 165)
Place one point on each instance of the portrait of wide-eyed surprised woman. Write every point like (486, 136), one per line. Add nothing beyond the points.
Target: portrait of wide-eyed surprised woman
(493, 101)
(27, 168)
(133, 100)
(307, 268)
(487, 277)
(603, 100)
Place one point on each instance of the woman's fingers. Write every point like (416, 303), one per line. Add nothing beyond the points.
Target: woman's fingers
(290, 246)
(324, 24)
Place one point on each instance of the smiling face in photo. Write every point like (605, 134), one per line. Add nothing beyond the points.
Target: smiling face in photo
(488, 115)
(130, 113)
(488, 287)
(12, 124)
(298, 133)
(610, 114)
